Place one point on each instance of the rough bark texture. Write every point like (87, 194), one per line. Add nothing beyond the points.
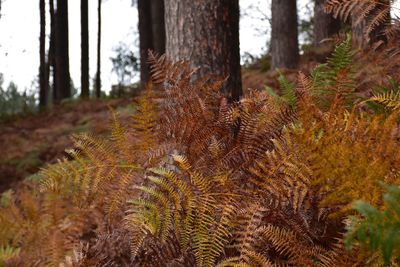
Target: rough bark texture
(284, 35)
(325, 25)
(361, 38)
(145, 38)
(62, 51)
(98, 72)
(84, 49)
(44, 89)
(206, 32)
(158, 25)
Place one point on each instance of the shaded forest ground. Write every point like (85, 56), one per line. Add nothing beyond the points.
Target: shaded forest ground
(27, 143)
(30, 142)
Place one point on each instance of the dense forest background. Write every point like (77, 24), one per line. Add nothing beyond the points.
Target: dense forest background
(198, 152)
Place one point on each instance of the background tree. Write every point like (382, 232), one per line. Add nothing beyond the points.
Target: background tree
(84, 49)
(98, 72)
(51, 65)
(284, 35)
(145, 38)
(43, 84)
(62, 51)
(325, 25)
(206, 32)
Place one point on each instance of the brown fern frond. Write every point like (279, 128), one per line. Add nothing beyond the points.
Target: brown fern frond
(163, 71)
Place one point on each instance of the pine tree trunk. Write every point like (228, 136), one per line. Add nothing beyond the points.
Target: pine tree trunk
(361, 37)
(43, 92)
(158, 26)
(62, 51)
(52, 52)
(325, 25)
(206, 32)
(145, 38)
(98, 72)
(284, 35)
(84, 49)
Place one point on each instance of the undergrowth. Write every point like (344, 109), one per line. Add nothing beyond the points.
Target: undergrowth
(192, 180)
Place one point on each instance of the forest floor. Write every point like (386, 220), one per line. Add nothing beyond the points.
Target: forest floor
(28, 143)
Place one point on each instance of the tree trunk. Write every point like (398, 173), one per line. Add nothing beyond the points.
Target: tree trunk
(206, 32)
(98, 72)
(158, 26)
(284, 36)
(362, 38)
(43, 92)
(84, 49)
(325, 25)
(52, 52)
(62, 53)
(145, 38)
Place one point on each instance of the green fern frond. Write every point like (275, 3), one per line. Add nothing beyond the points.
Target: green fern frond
(390, 100)
(342, 56)
(288, 90)
(378, 231)
(335, 78)
(7, 253)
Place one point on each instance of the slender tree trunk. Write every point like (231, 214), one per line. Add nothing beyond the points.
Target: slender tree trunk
(284, 36)
(84, 49)
(52, 52)
(325, 25)
(145, 38)
(362, 38)
(158, 25)
(98, 73)
(43, 92)
(206, 32)
(62, 51)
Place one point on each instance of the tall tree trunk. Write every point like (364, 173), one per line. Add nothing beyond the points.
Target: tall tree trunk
(284, 35)
(84, 49)
(62, 51)
(325, 25)
(206, 32)
(44, 89)
(145, 38)
(361, 36)
(98, 72)
(52, 52)
(158, 25)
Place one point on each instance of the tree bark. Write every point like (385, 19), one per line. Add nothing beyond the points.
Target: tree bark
(206, 32)
(98, 72)
(44, 89)
(52, 52)
(158, 26)
(84, 49)
(62, 51)
(325, 25)
(362, 38)
(284, 35)
(145, 38)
